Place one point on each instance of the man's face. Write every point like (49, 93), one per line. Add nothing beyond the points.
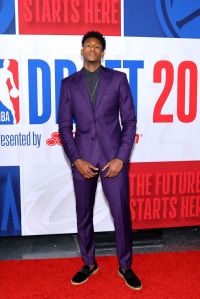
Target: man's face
(92, 50)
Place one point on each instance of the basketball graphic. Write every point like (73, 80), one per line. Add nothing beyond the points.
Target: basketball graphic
(179, 18)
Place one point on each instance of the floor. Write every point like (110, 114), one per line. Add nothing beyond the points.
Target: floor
(57, 246)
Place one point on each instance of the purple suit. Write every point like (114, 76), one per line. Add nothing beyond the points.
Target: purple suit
(99, 138)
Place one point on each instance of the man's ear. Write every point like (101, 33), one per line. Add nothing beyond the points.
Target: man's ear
(81, 52)
(102, 55)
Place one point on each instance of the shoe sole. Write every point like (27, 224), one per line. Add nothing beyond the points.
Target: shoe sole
(136, 289)
(77, 283)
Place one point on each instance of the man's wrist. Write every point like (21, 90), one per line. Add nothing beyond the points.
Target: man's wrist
(75, 162)
(120, 160)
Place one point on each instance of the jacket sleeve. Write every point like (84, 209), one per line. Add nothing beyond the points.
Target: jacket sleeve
(128, 120)
(65, 122)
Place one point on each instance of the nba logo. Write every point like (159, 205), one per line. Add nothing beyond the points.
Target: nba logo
(9, 92)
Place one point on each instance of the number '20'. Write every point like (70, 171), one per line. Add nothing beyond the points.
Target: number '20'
(185, 66)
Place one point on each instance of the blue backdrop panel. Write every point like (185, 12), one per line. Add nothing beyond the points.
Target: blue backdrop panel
(162, 18)
(10, 207)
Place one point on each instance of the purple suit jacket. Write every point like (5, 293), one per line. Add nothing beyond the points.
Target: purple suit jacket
(103, 122)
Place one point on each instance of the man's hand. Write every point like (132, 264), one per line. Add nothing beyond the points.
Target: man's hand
(114, 168)
(86, 169)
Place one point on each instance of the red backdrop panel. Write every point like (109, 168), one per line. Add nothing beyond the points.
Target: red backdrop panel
(165, 194)
(72, 17)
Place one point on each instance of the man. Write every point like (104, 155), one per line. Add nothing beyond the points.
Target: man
(95, 96)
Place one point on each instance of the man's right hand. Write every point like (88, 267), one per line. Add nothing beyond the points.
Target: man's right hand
(86, 169)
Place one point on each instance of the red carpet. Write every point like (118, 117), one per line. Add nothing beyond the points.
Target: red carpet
(164, 275)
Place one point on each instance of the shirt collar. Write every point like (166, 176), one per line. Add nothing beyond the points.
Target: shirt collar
(95, 73)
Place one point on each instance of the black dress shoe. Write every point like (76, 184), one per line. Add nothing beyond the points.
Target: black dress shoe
(83, 275)
(131, 279)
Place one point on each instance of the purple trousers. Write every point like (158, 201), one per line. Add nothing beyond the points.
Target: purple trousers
(116, 191)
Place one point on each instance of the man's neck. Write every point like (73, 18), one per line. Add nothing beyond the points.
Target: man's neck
(91, 66)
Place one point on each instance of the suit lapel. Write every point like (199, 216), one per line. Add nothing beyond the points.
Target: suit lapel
(83, 88)
(103, 82)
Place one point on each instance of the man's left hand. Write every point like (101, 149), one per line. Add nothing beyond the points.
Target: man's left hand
(114, 168)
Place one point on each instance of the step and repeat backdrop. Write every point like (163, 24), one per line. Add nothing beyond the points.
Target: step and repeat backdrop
(156, 43)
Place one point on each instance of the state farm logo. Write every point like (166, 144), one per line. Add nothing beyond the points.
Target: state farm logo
(137, 137)
(69, 17)
(9, 92)
(54, 139)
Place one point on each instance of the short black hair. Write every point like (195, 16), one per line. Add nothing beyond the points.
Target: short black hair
(96, 35)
